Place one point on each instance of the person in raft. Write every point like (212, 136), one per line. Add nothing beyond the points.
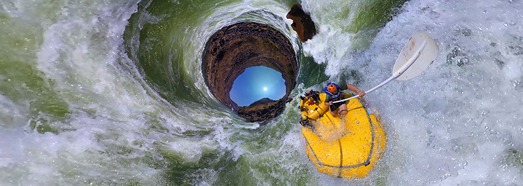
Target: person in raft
(334, 93)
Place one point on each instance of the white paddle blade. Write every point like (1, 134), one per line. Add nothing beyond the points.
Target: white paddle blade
(412, 62)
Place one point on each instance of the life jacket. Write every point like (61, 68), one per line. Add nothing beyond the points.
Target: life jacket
(336, 96)
(313, 94)
(310, 109)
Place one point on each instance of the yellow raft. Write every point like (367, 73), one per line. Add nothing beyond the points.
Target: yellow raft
(348, 148)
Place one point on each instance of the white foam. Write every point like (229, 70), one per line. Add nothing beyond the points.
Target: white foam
(330, 45)
(12, 114)
(108, 111)
(462, 95)
(452, 125)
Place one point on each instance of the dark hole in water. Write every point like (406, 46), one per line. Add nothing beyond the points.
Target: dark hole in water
(257, 83)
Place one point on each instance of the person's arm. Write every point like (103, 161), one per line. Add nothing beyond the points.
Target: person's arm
(353, 88)
(328, 101)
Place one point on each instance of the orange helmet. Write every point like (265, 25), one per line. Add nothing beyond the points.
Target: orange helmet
(332, 88)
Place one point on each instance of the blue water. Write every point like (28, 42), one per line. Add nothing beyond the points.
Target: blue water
(256, 83)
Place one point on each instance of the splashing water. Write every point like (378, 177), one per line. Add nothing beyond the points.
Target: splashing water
(77, 109)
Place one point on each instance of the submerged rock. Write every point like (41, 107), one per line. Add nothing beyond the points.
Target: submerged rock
(302, 23)
(234, 48)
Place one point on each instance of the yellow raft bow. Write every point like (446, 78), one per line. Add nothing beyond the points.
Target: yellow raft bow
(348, 147)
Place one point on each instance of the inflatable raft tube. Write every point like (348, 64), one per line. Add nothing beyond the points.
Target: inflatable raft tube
(348, 148)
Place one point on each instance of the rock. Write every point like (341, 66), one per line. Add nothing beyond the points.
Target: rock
(261, 102)
(232, 49)
(262, 112)
(302, 23)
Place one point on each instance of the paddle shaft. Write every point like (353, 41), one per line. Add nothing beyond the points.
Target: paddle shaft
(394, 75)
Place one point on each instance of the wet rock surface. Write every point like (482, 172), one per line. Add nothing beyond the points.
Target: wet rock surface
(234, 48)
(302, 23)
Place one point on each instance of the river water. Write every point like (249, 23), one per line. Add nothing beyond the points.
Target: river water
(111, 93)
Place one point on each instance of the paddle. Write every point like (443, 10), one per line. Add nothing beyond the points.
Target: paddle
(415, 57)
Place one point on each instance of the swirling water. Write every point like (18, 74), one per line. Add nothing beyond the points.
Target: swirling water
(111, 92)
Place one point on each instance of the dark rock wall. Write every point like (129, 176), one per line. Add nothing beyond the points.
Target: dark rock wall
(234, 48)
(302, 23)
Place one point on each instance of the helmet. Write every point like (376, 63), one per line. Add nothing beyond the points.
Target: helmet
(332, 88)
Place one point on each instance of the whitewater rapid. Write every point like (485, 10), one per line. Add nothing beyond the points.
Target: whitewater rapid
(75, 109)
(461, 121)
